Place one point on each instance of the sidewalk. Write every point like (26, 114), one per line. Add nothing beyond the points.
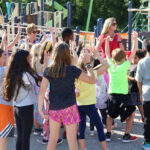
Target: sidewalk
(92, 142)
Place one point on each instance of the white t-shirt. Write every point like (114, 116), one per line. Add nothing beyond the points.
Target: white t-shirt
(26, 96)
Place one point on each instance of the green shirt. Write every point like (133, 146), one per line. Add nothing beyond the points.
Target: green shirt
(118, 77)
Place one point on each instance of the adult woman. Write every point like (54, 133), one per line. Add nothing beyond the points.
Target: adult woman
(6, 108)
(109, 28)
(61, 75)
(19, 86)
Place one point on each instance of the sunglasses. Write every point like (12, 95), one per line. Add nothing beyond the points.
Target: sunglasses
(34, 32)
(114, 24)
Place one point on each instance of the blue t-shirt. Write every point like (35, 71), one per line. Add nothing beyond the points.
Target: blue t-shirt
(62, 90)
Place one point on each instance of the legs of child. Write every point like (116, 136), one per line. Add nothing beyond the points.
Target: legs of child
(3, 143)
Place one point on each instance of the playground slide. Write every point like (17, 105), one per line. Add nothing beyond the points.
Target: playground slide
(58, 7)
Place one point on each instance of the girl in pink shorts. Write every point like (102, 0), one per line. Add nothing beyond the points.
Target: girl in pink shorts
(62, 99)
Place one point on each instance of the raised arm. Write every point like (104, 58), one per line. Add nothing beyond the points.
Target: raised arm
(89, 76)
(120, 42)
(44, 38)
(135, 46)
(99, 43)
(104, 64)
(54, 34)
(43, 88)
(4, 41)
(12, 44)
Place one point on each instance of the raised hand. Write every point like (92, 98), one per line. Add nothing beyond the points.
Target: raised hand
(108, 38)
(134, 35)
(119, 37)
(94, 51)
(19, 28)
(86, 57)
(50, 29)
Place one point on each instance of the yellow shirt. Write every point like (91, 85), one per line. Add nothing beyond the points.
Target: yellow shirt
(87, 92)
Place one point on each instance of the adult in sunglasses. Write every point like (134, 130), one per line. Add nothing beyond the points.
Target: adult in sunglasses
(32, 32)
(109, 28)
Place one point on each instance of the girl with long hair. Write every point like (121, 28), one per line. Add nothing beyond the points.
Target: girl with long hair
(18, 86)
(86, 100)
(109, 28)
(61, 75)
(6, 108)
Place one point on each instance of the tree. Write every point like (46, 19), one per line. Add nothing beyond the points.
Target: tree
(101, 9)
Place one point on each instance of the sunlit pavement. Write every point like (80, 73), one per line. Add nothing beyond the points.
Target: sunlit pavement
(92, 142)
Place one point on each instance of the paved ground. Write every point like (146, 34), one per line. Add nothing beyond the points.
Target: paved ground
(92, 142)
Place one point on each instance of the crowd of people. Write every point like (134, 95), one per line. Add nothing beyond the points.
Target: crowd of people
(52, 83)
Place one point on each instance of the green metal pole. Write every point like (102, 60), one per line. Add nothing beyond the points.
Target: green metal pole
(88, 20)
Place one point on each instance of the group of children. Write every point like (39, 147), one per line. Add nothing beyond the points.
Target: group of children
(61, 83)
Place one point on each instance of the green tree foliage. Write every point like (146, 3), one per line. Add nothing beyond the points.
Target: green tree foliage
(101, 9)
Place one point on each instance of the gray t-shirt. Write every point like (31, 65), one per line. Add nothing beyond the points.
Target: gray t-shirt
(143, 75)
(26, 96)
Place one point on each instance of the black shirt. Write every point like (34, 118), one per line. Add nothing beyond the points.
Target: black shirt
(132, 85)
(62, 90)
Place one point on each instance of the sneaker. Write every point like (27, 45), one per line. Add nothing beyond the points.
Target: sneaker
(128, 138)
(37, 131)
(115, 125)
(44, 141)
(146, 146)
(91, 132)
(108, 137)
(59, 141)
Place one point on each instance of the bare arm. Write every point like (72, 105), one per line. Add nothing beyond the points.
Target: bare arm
(135, 46)
(54, 35)
(11, 45)
(44, 38)
(140, 90)
(43, 88)
(104, 64)
(131, 78)
(121, 46)
(89, 77)
(99, 43)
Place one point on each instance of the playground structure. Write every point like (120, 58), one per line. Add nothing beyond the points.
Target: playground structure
(35, 12)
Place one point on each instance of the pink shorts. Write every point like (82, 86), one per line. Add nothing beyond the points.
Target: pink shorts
(66, 116)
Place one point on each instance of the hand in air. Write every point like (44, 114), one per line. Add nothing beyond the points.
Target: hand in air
(86, 57)
(108, 38)
(19, 29)
(94, 51)
(134, 35)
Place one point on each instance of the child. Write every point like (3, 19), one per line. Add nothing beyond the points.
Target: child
(67, 35)
(61, 75)
(6, 108)
(133, 88)
(143, 80)
(118, 89)
(18, 86)
(87, 100)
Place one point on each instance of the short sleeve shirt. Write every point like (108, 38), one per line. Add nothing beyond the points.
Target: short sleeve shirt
(118, 77)
(113, 44)
(143, 76)
(62, 90)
